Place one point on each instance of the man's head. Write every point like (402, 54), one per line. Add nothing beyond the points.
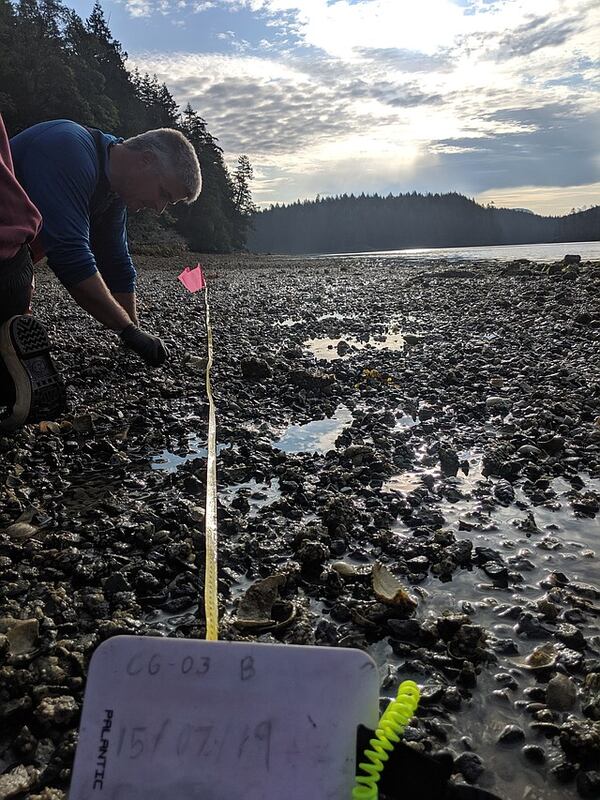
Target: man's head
(155, 169)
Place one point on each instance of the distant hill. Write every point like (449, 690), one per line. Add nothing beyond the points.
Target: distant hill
(350, 223)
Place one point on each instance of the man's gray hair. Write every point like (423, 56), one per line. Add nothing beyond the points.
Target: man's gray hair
(175, 155)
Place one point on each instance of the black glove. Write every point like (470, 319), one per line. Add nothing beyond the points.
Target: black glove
(149, 348)
(412, 775)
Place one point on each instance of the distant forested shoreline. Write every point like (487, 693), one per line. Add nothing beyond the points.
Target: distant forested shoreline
(54, 65)
(350, 223)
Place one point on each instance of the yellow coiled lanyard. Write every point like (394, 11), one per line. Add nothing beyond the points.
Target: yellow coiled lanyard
(389, 731)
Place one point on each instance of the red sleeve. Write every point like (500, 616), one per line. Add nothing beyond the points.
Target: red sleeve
(20, 221)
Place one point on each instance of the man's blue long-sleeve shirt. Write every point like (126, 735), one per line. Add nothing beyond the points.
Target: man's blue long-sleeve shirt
(84, 231)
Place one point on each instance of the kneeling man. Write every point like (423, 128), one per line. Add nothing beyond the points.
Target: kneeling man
(83, 182)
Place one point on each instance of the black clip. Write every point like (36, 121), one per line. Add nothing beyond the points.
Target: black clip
(412, 775)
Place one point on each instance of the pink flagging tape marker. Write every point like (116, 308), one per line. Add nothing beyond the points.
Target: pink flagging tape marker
(193, 279)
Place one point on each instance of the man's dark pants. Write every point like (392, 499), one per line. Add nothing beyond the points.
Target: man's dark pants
(16, 277)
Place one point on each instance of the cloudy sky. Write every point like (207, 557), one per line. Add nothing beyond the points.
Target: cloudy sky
(497, 99)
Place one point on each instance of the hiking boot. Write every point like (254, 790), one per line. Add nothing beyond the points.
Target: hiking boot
(38, 388)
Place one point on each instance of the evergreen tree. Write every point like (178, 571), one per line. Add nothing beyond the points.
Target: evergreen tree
(53, 65)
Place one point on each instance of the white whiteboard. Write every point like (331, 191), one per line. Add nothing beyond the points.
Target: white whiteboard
(179, 719)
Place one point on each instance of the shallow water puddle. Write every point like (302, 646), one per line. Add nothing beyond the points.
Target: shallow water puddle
(404, 482)
(165, 622)
(168, 461)
(406, 421)
(258, 495)
(331, 315)
(315, 437)
(326, 348)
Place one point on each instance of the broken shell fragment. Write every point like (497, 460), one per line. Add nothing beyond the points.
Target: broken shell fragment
(261, 609)
(389, 590)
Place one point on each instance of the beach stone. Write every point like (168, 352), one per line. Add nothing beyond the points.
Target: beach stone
(572, 258)
(449, 461)
(592, 708)
(580, 739)
(570, 635)
(504, 492)
(498, 404)
(18, 780)
(470, 766)
(530, 451)
(511, 734)
(561, 693)
(412, 339)
(534, 753)
(21, 530)
(57, 710)
(4, 647)
(117, 582)
(255, 369)
(315, 380)
(406, 629)
(588, 783)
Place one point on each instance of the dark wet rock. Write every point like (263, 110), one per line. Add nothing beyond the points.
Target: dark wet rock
(529, 451)
(57, 711)
(467, 676)
(21, 530)
(572, 258)
(17, 781)
(255, 369)
(580, 739)
(316, 381)
(511, 734)
(312, 554)
(498, 405)
(552, 445)
(530, 626)
(504, 492)
(570, 635)
(405, 629)
(448, 625)
(534, 753)
(449, 460)
(452, 699)
(470, 766)
(468, 642)
(564, 771)
(116, 583)
(588, 783)
(591, 708)
(497, 572)
(561, 693)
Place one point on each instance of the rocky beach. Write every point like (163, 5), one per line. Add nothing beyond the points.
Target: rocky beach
(409, 463)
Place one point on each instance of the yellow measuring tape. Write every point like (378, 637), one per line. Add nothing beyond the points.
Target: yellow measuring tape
(211, 605)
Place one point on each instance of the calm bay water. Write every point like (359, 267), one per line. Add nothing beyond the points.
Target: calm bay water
(589, 251)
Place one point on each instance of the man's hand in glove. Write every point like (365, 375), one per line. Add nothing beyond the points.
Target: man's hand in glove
(149, 348)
